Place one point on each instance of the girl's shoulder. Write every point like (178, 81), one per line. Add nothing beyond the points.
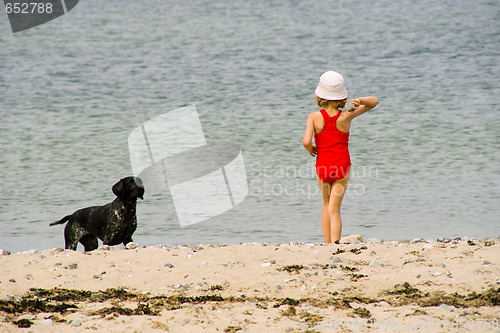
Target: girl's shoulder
(317, 120)
(316, 115)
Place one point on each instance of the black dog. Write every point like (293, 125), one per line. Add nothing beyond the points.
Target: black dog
(113, 223)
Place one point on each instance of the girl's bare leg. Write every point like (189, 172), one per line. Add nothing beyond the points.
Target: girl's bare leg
(326, 189)
(338, 189)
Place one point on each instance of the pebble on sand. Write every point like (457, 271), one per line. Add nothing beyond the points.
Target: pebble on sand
(352, 239)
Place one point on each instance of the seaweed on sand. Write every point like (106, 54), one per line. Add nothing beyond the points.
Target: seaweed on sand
(291, 268)
(404, 294)
(34, 306)
(362, 312)
(62, 301)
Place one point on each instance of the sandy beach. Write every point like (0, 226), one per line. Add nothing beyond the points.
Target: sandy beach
(442, 285)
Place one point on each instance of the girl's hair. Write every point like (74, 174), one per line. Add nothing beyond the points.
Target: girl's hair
(323, 103)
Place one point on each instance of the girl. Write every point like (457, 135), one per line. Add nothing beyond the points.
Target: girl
(330, 127)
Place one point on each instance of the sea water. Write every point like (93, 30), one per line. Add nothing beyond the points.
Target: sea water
(426, 161)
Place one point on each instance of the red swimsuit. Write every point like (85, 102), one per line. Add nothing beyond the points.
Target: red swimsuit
(333, 160)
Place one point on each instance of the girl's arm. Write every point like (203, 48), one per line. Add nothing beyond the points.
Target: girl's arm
(307, 141)
(361, 105)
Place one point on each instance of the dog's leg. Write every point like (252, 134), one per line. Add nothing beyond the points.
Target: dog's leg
(89, 242)
(128, 240)
(72, 234)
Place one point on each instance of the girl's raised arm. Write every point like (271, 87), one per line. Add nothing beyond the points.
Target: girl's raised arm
(361, 105)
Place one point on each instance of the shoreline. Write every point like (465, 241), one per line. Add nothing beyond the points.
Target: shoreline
(344, 240)
(255, 287)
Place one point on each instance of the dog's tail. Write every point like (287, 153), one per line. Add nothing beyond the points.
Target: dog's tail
(61, 221)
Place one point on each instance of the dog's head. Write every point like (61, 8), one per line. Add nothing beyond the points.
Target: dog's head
(129, 189)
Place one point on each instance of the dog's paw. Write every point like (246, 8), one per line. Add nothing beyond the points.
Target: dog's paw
(131, 246)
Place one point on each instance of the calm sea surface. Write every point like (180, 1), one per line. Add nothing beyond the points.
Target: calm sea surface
(426, 161)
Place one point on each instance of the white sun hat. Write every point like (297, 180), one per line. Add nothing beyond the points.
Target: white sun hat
(331, 86)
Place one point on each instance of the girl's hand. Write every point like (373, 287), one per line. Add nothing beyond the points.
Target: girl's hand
(356, 103)
(314, 151)
(361, 105)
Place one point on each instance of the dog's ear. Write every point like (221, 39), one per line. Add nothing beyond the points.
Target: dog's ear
(119, 190)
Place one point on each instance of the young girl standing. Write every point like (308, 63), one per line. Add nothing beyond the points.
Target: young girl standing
(330, 127)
